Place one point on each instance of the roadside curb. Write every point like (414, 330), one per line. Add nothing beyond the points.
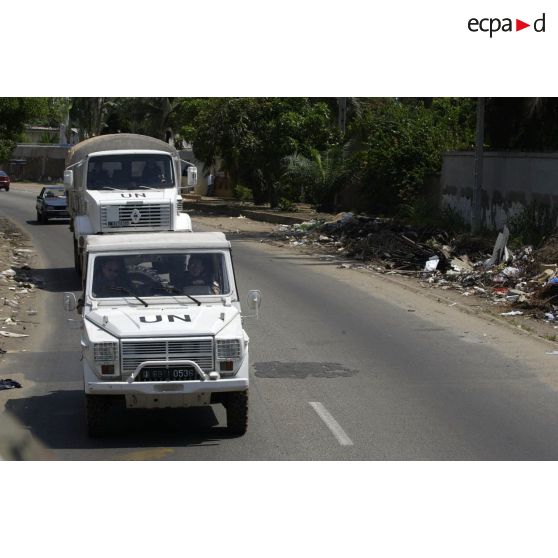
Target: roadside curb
(277, 218)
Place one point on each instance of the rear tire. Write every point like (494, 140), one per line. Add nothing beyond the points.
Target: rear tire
(236, 404)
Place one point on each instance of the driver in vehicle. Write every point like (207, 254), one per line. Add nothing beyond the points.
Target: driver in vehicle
(151, 175)
(110, 278)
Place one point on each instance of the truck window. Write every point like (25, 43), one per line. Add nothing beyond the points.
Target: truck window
(172, 274)
(129, 172)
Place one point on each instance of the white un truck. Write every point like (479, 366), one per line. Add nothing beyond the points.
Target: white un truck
(161, 326)
(122, 183)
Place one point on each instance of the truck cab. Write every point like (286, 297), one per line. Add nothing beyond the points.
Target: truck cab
(122, 183)
(162, 327)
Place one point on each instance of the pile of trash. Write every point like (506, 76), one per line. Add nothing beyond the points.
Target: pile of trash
(16, 283)
(526, 279)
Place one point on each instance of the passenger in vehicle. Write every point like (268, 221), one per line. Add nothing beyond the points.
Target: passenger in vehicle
(200, 274)
(97, 177)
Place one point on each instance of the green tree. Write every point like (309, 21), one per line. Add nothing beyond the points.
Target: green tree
(399, 142)
(89, 115)
(15, 113)
(319, 177)
(252, 136)
(527, 124)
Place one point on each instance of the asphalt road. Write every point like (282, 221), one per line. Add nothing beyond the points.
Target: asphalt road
(342, 369)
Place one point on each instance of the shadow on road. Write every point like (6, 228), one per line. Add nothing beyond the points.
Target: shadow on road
(54, 280)
(35, 223)
(57, 420)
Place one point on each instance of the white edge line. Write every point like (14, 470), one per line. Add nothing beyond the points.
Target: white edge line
(331, 423)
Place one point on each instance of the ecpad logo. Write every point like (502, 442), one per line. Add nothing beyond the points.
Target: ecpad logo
(493, 25)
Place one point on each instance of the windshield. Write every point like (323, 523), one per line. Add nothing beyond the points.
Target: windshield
(129, 172)
(174, 274)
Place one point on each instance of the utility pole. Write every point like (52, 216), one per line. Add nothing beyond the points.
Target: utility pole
(476, 208)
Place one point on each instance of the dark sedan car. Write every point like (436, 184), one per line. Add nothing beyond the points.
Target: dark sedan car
(51, 203)
(4, 181)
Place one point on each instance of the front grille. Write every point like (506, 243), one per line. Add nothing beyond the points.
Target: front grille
(136, 215)
(199, 350)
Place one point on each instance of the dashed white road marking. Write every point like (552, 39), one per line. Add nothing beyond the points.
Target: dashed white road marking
(331, 423)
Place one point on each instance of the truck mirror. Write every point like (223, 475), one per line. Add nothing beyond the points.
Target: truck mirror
(192, 176)
(70, 302)
(69, 178)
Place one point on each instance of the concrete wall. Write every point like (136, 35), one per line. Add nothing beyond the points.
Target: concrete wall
(222, 186)
(510, 182)
(41, 161)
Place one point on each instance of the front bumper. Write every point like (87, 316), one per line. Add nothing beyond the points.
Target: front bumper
(53, 213)
(94, 386)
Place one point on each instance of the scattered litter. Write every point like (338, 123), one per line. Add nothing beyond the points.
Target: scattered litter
(511, 271)
(512, 313)
(432, 263)
(9, 273)
(9, 384)
(31, 312)
(10, 334)
(552, 353)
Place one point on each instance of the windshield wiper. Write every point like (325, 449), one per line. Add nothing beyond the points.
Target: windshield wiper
(174, 290)
(108, 188)
(146, 187)
(128, 291)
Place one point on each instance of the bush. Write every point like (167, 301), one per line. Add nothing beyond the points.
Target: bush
(534, 224)
(243, 194)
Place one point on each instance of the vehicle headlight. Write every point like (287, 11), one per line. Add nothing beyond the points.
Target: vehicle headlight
(228, 349)
(229, 353)
(105, 352)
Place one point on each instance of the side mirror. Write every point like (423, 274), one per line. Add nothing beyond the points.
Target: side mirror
(192, 176)
(70, 303)
(254, 301)
(69, 179)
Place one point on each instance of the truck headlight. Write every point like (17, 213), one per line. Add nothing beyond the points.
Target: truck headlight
(229, 353)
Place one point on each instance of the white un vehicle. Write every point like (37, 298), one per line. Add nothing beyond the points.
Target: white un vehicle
(122, 183)
(161, 326)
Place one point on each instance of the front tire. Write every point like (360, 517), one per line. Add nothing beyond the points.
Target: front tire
(104, 414)
(44, 219)
(236, 405)
(96, 409)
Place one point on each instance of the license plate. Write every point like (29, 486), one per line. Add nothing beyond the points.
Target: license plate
(172, 374)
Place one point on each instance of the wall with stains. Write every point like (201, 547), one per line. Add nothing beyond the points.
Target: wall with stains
(510, 183)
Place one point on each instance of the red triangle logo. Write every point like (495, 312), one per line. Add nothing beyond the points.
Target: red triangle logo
(519, 25)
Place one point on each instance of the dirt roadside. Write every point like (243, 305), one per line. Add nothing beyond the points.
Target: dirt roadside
(267, 233)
